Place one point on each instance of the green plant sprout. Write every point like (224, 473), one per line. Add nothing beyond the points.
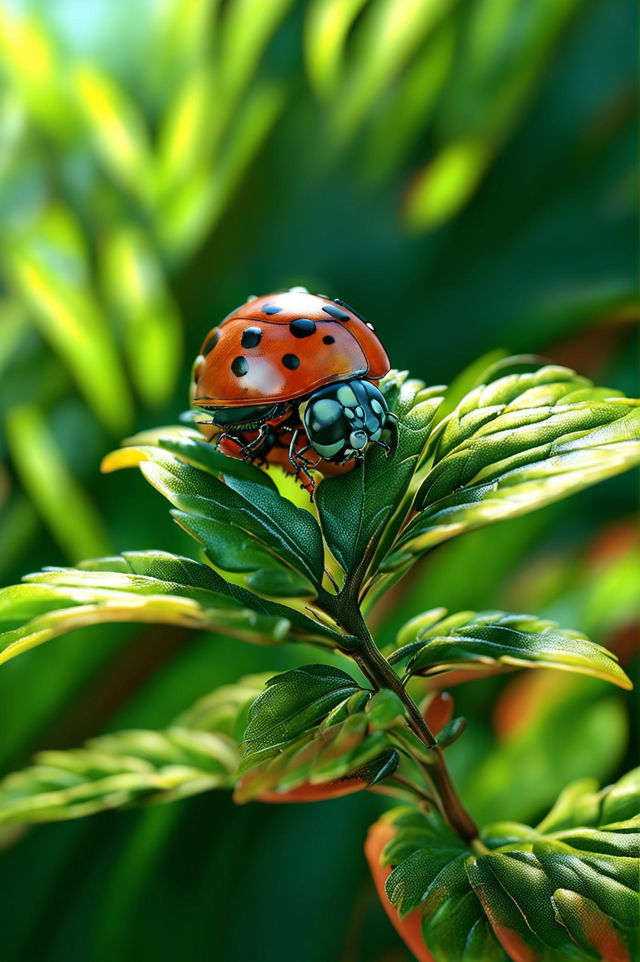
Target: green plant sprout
(508, 443)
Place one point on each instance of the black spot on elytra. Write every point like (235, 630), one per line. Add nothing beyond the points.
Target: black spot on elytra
(335, 312)
(240, 366)
(302, 327)
(211, 341)
(251, 337)
(271, 309)
(291, 361)
(328, 339)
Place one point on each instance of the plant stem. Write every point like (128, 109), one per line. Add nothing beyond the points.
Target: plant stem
(379, 673)
(383, 676)
(413, 788)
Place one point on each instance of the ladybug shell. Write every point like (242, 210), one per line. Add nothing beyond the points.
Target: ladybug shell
(283, 346)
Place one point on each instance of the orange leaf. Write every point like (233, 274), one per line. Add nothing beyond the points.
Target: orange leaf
(410, 928)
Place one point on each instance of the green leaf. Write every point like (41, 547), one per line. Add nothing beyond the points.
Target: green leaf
(406, 108)
(178, 570)
(14, 328)
(181, 592)
(485, 369)
(245, 31)
(561, 890)
(181, 36)
(186, 135)
(428, 862)
(385, 710)
(189, 212)
(581, 804)
(278, 584)
(62, 502)
(151, 587)
(327, 27)
(117, 129)
(198, 752)
(395, 36)
(346, 758)
(243, 524)
(49, 264)
(34, 66)
(491, 640)
(358, 511)
(18, 526)
(134, 284)
(451, 732)
(292, 704)
(501, 56)
(515, 445)
(447, 183)
(314, 726)
(124, 768)
(189, 446)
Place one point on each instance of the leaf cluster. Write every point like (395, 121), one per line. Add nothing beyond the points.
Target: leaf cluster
(272, 571)
(566, 889)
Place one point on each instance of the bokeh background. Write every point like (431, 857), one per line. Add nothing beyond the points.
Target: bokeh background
(462, 172)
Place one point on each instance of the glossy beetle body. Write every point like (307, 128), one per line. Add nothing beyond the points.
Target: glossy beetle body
(290, 379)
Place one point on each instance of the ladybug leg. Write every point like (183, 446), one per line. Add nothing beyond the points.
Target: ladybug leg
(298, 462)
(309, 484)
(248, 449)
(391, 426)
(231, 445)
(385, 447)
(300, 465)
(219, 438)
(293, 455)
(307, 463)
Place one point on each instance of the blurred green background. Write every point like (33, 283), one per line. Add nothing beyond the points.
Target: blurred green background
(462, 172)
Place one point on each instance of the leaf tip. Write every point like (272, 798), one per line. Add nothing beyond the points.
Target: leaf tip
(122, 458)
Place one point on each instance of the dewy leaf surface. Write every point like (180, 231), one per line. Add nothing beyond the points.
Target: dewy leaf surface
(493, 639)
(355, 509)
(514, 445)
(559, 891)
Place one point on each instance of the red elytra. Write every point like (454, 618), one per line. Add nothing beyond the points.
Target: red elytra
(281, 347)
(270, 356)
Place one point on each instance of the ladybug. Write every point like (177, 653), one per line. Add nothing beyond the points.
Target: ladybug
(293, 374)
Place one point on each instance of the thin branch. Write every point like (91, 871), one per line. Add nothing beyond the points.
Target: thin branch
(379, 673)
(415, 789)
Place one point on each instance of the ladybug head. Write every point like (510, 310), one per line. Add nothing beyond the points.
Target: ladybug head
(343, 418)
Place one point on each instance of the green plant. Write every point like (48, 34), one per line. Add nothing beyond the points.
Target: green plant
(497, 445)
(124, 154)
